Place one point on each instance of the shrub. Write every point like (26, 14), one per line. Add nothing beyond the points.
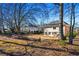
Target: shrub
(63, 43)
(38, 32)
(74, 34)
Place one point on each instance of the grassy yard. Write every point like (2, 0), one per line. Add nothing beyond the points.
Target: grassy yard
(31, 45)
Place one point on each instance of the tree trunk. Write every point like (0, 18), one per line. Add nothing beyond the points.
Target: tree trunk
(61, 21)
(72, 24)
(73, 19)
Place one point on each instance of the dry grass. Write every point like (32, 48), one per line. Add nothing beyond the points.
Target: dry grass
(10, 46)
(37, 36)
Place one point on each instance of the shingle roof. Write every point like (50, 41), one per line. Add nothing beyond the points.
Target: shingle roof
(32, 25)
(53, 23)
(57, 22)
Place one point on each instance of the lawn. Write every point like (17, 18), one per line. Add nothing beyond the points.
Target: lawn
(30, 45)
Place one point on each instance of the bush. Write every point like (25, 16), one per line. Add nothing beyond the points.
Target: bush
(62, 43)
(22, 33)
(38, 32)
(74, 34)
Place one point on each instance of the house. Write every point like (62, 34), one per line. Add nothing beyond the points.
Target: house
(50, 29)
(76, 29)
(53, 28)
(33, 28)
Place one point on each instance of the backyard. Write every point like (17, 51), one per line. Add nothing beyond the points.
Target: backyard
(36, 45)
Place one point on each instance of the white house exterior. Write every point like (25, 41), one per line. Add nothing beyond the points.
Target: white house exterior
(32, 29)
(76, 29)
(53, 29)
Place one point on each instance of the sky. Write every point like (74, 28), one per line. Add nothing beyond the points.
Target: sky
(66, 14)
(53, 12)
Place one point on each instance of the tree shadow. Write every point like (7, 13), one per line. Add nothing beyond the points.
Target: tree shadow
(75, 44)
(74, 53)
(28, 39)
(72, 44)
(40, 47)
(21, 37)
(16, 54)
(8, 54)
(34, 46)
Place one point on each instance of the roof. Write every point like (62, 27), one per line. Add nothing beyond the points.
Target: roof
(32, 25)
(77, 28)
(57, 22)
(54, 23)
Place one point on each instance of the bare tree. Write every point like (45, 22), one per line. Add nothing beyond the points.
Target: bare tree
(19, 15)
(61, 20)
(1, 19)
(72, 23)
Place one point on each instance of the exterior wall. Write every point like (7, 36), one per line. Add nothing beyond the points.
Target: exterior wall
(51, 31)
(25, 29)
(66, 29)
(32, 29)
(76, 30)
(56, 31)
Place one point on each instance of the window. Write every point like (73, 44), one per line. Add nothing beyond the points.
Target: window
(54, 27)
(49, 33)
(54, 32)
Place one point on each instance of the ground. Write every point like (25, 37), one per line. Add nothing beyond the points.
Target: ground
(36, 45)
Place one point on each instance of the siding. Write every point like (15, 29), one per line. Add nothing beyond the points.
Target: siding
(57, 30)
(51, 30)
(66, 29)
(32, 29)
